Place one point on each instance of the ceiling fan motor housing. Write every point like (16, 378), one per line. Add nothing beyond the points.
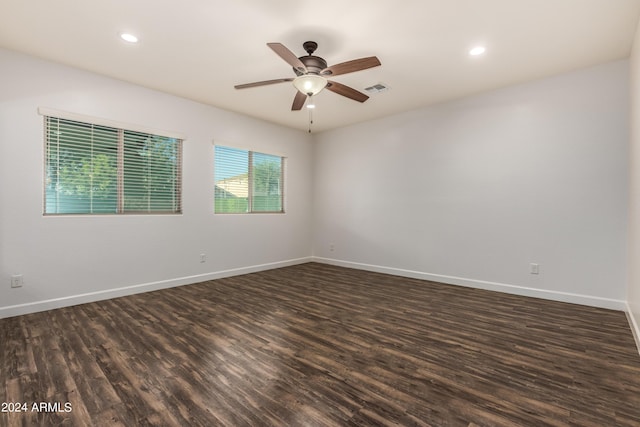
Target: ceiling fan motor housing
(314, 65)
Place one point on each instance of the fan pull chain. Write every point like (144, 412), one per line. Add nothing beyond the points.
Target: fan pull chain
(310, 106)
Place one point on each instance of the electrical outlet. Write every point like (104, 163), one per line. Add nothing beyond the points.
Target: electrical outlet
(534, 268)
(331, 247)
(203, 257)
(17, 281)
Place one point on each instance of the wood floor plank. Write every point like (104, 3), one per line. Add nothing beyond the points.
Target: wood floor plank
(320, 345)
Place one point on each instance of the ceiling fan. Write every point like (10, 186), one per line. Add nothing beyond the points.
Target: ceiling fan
(312, 74)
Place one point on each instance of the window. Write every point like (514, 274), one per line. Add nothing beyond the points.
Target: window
(248, 182)
(95, 169)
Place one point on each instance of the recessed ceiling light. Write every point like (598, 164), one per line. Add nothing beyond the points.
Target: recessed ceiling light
(129, 38)
(478, 50)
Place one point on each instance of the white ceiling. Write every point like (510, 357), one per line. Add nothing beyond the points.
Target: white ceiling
(200, 49)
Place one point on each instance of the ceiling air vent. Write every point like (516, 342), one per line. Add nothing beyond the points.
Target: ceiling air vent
(376, 88)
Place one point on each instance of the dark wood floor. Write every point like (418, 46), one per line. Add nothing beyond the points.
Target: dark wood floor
(317, 345)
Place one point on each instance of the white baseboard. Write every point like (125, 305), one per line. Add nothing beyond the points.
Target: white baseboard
(36, 306)
(635, 326)
(481, 284)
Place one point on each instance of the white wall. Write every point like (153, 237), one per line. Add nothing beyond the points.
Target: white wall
(77, 259)
(633, 296)
(468, 192)
(471, 192)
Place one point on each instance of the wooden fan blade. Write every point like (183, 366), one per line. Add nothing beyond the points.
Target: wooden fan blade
(347, 91)
(351, 66)
(263, 83)
(298, 101)
(288, 56)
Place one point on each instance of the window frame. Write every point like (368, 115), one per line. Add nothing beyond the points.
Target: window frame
(250, 181)
(122, 129)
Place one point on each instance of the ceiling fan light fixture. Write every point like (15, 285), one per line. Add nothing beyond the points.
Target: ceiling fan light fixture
(310, 84)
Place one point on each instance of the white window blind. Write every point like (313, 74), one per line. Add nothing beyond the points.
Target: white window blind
(95, 169)
(247, 181)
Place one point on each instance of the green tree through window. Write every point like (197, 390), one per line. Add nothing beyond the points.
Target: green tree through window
(267, 183)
